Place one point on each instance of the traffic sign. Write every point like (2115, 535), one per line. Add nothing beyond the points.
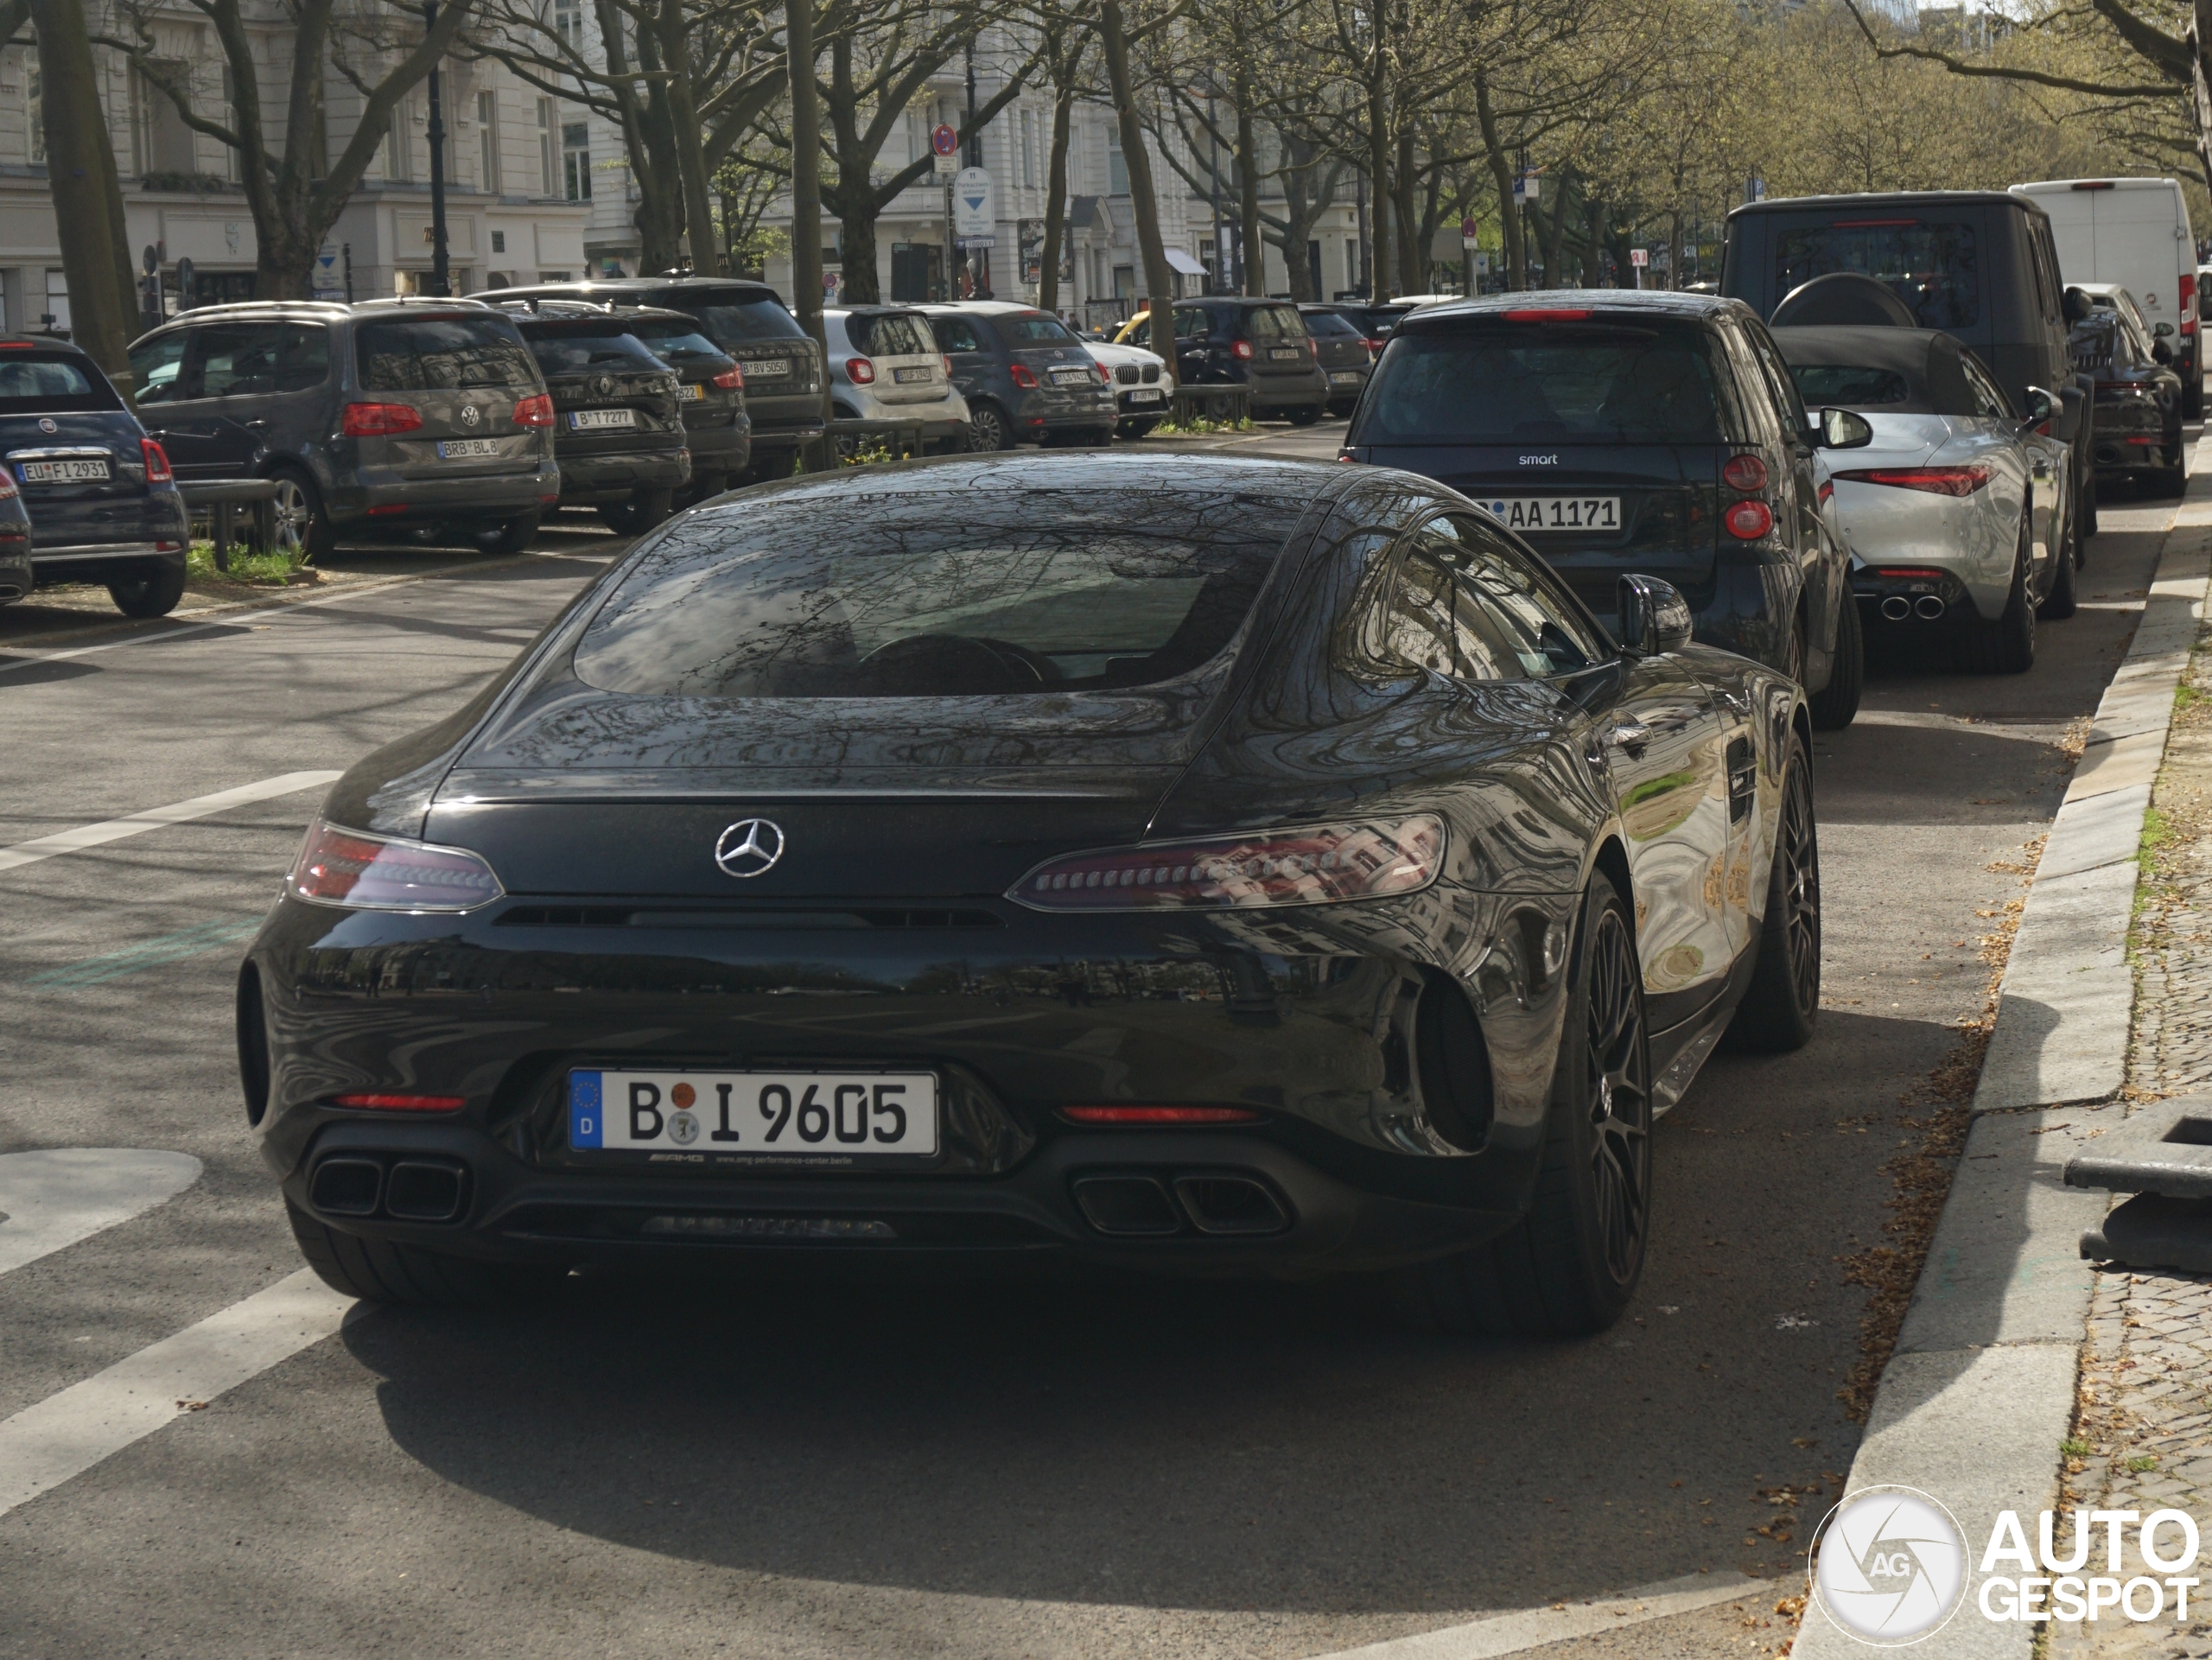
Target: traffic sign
(1639, 257)
(943, 140)
(1467, 229)
(975, 212)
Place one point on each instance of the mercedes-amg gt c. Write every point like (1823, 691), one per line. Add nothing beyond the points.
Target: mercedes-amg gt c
(1202, 865)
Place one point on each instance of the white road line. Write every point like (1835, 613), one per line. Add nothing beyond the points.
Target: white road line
(59, 1195)
(1532, 1628)
(66, 1435)
(201, 806)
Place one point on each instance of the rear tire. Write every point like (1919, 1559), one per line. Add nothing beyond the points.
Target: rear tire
(512, 538)
(1569, 1267)
(1783, 999)
(303, 530)
(152, 590)
(644, 509)
(2007, 644)
(1836, 705)
(2059, 604)
(2174, 480)
(1308, 417)
(2087, 522)
(2192, 397)
(992, 429)
(377, 1270)
(1135, 428)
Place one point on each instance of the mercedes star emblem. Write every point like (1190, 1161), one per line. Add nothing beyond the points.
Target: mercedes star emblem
(749, 848)
(469, 415)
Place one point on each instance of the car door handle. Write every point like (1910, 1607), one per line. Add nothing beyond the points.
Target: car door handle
(255, 426)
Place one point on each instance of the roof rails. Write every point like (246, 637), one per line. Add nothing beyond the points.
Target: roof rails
(263, 305)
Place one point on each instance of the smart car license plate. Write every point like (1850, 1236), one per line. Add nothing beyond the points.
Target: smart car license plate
(93, 469)
(1343, 377)
(795, 1115)
(459, 448)
(909, 377)
(1558, 513)
(589, 420)
(766, 368)
(1285, 353)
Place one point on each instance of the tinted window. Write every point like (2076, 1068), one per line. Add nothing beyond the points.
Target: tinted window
(955, 334)
(1932, 267)
(569, 353)
(896, 336)
(303, 363)
(1845, 386)
(736, 318)
(157, 367)
(1989, 403)
(1506, 382)
(2099, 342)
(1327, 325)
(881, 598)
(235, 360)
(1545, 630)
(38, 381)
(676, 342)
(438, 354)
(1275, 323)
(1033, 328)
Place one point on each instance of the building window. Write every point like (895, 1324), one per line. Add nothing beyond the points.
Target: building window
(548, 159)
(1028, 151)
(231, 116)
(34, 104)
(487, 142)
(1117, 165)
(399, 142)
(568, 23)
(576, 161)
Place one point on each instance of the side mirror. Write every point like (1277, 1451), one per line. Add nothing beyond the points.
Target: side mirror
(1655, 618)
(2041, 407)
(1844, 430)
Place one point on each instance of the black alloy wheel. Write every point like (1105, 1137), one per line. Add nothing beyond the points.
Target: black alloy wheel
(1783, 1002)
(989, 422)
(2059, 604)
(1836, 705)
(512, 538)
(298, 527)
(1616, 1065)
(1307, 418)
(639, 511)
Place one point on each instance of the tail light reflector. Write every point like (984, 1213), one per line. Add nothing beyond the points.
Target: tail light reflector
(1549, 314)
(1365, 859)
(157, 463)
(1747, 521)
(1242, 348)
(388, 873)
(7, 492)
(379, 420)
(862, 373)
(1022, 377)
(1907, 573)
(2188, 302)
(1937, 480)
(1374, 349)
(1148, 1116)
(1744, 473)
(378, 1101)
(947, 362)
(536, 411)
(731, 380)
(1105, 375)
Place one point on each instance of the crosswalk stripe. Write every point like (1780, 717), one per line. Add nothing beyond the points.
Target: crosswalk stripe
(58, 1195)
(201, 806)
(66, 1435)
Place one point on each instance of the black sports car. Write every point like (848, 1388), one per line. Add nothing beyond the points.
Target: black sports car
(1189, 863)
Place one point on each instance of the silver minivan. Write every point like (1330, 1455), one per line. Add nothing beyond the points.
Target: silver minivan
(885, 366)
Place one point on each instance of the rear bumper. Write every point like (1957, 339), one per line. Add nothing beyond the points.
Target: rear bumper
(123, 527)
(607, 478)
(415, 502)
(784, 421)
(1064, 409)
(720, 450)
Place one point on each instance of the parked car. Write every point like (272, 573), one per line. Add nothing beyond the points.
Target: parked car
(885, 366)
(1979, 265)
(716, 428)
(1025, 377)
(784, 373)
(108, 510)
(1355, 902)
(618, 417)
(1654, 433)
(1957, 513)
(1225, 340)
(390, 419)
(1343, 353)
(2139, 396)
(2135, 235)
(1139, 399)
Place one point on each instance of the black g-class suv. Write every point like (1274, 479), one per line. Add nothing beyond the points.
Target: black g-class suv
(388, 419)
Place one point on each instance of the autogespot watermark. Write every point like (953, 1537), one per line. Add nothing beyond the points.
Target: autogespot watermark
(1888, 1565)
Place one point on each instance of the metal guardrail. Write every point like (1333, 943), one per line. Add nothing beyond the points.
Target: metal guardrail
(221, 497)
(1226, 404)
(902, 439)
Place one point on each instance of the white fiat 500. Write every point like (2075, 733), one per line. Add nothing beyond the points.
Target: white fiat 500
(1959, 518)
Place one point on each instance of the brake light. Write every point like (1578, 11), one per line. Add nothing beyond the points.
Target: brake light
(9, 493)
(1744, 473)
(536, 411)
(1022, 378)
(1363, 858)
(378, 1101)
(2092, 184)
(1869, 224)
(379, 420)
(1153, 1116)
(1374, 349)
(2188, 302)
(388, 873)
(731, 380)
(1747, 521)
(947, 362)
(1908, 574)
(860, 372)
(1105, 375)
(158, 462)
(1242, 348)
(1937, 480)
(1554, 315)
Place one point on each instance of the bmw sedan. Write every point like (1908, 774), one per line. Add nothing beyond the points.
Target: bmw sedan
(1198, 865)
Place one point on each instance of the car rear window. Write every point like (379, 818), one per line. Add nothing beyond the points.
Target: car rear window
(40, 382)
(882, 597)
(895, 336)
(567, 353)
(1502, 383)
(674, 341)
(1327, 325)
(737, 317)
(1847, 386)
(437, 354)
(1034, 329)
(1932, 265)
(1274, 323)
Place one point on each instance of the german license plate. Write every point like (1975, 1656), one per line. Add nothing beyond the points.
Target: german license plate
(1285, 353)
(589, 420)
(1146, 395)
(694, 391)
(911, 377)
(90, 469)
(1343, 377)
(1074, 378)
(766, 368)
(1558, 513)
(458, 448)
(809, 1116)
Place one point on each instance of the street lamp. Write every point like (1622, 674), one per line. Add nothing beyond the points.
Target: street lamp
(441, 268)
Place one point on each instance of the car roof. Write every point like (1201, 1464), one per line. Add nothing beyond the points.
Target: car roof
(43, 342)
(1928, 360)
(1013, 473)
(565, 308)
(1899, 198)
(1660, 302)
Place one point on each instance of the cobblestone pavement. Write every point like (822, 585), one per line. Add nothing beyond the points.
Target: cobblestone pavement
(2144, 1424)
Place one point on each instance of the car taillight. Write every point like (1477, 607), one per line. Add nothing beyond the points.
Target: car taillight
(860, 372)
(379, 1101)
(1937, 480)
(1374, 349)
(1548, 315)
(1242, 348)
(379, 420)
(947, 362)
(731, 380)
(1022, 378)
(389, 873)
(1747, 521)
(1744, 473)
(2188, 302)
(7, 492)
(1150, 1116)
(157, 463)
(1105, 375)
(1329, 864)
(536, 411)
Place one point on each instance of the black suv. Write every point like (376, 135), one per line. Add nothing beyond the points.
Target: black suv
(1263, 344)
(783, 383)
(1981, 265)
(389, 418)
(1625, 434)
(618, 417)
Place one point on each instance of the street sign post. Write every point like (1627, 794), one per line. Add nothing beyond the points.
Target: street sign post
(1638, 258)
(1467, 229)
(975, 209)
(945, 145)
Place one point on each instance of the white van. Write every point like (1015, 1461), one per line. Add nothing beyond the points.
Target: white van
(2134, 232)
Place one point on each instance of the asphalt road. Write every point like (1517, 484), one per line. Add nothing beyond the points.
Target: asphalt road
(825, 1467)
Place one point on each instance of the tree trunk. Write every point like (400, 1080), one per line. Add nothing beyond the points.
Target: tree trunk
(1412, 258)
(1251, 251)
(2200, 43)
(1056, 188)
(1378, 171)
(1501, 174)
(862, 283)
(806, 183)
(1555, 240)
(76, 133)
(691, 152)
(1160, 300)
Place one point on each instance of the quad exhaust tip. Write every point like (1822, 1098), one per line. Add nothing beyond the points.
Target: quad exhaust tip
(1897, 607)
(1131, 1207)
(1929, 607)
(413, 1190)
